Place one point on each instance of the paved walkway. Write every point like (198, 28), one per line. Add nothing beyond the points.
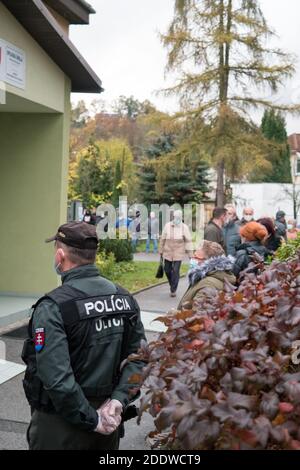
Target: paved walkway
(158, 300)
(146, 257)
(151, 257)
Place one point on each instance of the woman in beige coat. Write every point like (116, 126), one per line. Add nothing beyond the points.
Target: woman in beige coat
(176, 241)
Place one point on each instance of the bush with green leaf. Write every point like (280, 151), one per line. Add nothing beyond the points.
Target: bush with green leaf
(224, 375)
(112, 270)
(289, 249)
(121, 249)
(106, 264)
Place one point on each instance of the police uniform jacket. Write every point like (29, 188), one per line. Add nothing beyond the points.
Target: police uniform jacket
(78, 346)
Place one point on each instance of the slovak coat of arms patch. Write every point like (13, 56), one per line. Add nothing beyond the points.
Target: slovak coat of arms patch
(39, 339)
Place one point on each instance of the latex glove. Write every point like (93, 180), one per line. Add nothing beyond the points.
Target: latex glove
(109, 417)
(111, 412)
(103, 427)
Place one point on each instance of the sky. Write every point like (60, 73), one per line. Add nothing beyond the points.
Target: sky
(122, 45)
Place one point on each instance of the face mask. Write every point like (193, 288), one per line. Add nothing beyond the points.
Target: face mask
(290, 227)
(193, 263)
(177, 221)
(56, 269)
(248, 218)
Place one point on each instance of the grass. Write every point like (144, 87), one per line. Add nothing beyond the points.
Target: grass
(141, 246)
(139, 275)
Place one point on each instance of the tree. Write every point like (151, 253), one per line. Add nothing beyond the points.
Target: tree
(274, 129)
(202, 181)
(182, 184)
(149, 190)
(219, 48)
(178, 186)
(117, 184)
(128, 107)
(186, 184)
(147, 183)
(292, 192)
(92, 176)
(79, 114)
(119, 150)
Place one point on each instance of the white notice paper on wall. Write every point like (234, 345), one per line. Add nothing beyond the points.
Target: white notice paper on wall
(12, 65)
(15, 67)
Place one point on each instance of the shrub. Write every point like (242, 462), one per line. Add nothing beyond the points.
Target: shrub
(289, 249)
(106, 264)
(112, 270)
(222, 375)
(121, 249)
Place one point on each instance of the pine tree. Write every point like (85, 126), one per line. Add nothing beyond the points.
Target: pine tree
(274, 129)
(182, 184)
(148, 173)
(202, 181)
(187, 184)
(219, 48)
(147, 182)
(178, 187)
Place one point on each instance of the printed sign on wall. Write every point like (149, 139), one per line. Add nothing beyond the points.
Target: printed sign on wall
(12, 64)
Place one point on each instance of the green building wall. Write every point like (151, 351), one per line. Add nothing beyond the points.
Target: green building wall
(33, 196)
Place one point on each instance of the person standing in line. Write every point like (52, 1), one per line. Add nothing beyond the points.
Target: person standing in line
(153, 233)
(176, 241)
(214, 229)
(292, 230)
(248, 216)
(135, 230)
(281, 225)
(273, 242)
(89, 217)
(231, 231)
(210, 269)
(80, 336)
(254, 237)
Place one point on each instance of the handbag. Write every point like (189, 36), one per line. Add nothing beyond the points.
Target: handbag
(160, 270)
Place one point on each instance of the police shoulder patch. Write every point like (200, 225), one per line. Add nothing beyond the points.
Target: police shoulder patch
(39, 339)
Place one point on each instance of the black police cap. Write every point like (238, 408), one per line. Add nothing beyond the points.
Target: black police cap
(77, 234)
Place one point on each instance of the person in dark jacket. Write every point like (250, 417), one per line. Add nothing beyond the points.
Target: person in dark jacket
(273, 241)
(214, 229)
(89, 217)
(78, 376)
(231, 231)
(281, 225)
(254, 236)
(135, 230)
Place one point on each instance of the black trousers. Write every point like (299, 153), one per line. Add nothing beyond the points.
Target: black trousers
(172, 270)
(51, 432)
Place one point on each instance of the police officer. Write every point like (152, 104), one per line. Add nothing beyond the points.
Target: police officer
(80, 336)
